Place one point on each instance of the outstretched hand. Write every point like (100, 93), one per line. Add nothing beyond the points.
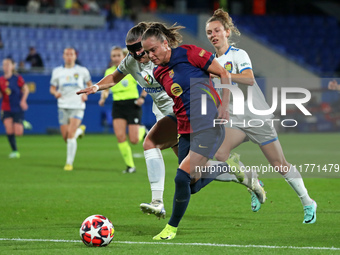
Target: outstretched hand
(88, 90)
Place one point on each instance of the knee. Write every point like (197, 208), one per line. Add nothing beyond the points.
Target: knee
(182, 178)
(222, 155)
(280, 163)
(134, 140)
(121, 138)
(148, 144)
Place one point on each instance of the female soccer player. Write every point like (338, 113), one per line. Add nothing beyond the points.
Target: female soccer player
(126, 110)
(164, 133)
(14, 92)
(66, 80)
(219, 28)
(184, 73)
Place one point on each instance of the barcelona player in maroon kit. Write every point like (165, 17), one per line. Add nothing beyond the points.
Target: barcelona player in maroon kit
(184, 73)
(14, 93)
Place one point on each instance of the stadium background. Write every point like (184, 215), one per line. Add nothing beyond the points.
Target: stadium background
(291, 44)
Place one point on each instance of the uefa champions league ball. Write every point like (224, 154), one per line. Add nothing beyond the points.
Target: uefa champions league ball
(96, 230)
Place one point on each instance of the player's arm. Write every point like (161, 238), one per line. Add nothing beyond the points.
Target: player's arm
(107, 82)
(246, 77)
(23, 102)
(140, 101)
(216, 69)
(54, 92)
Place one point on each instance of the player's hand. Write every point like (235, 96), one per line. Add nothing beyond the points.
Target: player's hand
(333, 85)
(23, 105)
(88, 90)
(223, 112)
(101, 102)
(140, 101)
(84, 97)
(57, 95)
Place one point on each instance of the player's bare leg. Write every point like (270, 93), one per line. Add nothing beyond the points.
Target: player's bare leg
(161, 136)
(233, 138)
(274, 154)
(134, 133)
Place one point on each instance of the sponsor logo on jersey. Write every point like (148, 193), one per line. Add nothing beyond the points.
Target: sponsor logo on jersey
(245, 64)
(153, 90)
(176, 89)
(201, 54)
(7, 83)
(228, 66)
(148, 78)
(8, 91)
(70, 84)
(171, 74)
(76, 76)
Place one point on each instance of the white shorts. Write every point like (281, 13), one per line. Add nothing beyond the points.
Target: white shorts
(261, 135)
(159, 115)
(65, 114)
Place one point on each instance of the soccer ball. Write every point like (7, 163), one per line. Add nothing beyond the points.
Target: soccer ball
(96, 230)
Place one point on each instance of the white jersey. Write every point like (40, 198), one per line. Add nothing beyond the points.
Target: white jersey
(143, 74)
(68, 81)
(235, 61)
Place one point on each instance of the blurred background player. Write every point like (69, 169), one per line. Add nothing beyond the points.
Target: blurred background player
(14, 94)
(218, 29)
(66, 80)
(126, 110)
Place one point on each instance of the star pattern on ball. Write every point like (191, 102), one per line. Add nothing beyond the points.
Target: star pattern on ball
(94, 232)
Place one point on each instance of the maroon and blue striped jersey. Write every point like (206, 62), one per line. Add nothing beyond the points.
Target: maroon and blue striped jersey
(11, 93)
(185, 79)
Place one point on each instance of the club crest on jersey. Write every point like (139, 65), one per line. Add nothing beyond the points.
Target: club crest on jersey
(176, 89)
(148, 78)
(201, 54)
(76, 76)
(228, 66)
(171, 74)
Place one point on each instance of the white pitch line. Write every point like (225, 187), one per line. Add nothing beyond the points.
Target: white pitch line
(182, 244)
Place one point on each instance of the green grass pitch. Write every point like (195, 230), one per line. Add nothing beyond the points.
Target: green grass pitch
(39, 200)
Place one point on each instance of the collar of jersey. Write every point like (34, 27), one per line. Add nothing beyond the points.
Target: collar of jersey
(227, 50)
(224, 53)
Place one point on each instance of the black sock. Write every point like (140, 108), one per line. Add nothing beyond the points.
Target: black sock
(181, 197)
(12, 142)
